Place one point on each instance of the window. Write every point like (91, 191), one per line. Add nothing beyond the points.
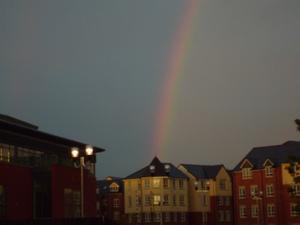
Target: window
(156, 182)
(254, 211)
(6, 152)
(242, 192)
(174, 200)
(116, 215)
(227, 200)
(166, 182)
(269, 190)
(182, 217)
(293, 210)
(129, 201)
(246, 173)
(243, 211)
(166, 199)
(222, 184)
(296, 189)
(147, 217)
(156, 217)
(181, 200)
(147, 183)
(71, 203)
(138, 201)
(175, 217)
(156, 200)
(116, 203)
(221, 216)
(220, 201)
(147, 200)
(2, 202)
(227, 216)
(271, 211)
(181, 184)
(167, 217)
(174, 184)
(204, 200)
(114, 187)
(254, 190)
(268, 171)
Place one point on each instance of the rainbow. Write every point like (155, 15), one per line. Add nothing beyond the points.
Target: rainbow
(174, 70)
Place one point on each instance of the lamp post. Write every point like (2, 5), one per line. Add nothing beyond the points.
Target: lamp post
(82, 164)
(257, 197)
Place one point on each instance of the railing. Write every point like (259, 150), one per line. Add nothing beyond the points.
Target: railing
(75, 221)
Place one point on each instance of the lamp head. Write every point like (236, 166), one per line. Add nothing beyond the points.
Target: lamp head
(89, 150)
(75, 152)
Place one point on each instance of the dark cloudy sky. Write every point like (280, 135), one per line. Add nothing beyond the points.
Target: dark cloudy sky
(92, 70)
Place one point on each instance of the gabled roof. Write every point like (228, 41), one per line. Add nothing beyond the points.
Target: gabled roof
(277, 154)
(104, 185)
(203, 171)
(159, 171)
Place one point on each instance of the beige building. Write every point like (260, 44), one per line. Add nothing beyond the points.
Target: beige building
(158, 193)
(210, 194)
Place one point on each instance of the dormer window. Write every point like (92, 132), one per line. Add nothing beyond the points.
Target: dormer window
(246, 173)
(114, 187)
(246, 170)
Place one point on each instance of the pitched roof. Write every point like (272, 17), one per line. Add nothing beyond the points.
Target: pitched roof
(277, 154)
(203, 171)
(159, 170)
(103, 185)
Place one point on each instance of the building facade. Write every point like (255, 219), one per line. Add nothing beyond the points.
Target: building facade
(156, 194)
(210, 194)
(110, 199)
(261, 184)
(38, 178)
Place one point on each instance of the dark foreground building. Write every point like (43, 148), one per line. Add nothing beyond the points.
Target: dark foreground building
(38, 178)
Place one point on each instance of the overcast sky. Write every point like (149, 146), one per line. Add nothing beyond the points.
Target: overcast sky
(92, 71)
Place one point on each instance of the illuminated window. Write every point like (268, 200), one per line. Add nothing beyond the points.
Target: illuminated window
(156, 200)
(6, 152)
(254, 190)
(156, 182)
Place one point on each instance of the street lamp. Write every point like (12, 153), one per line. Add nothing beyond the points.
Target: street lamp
(82, 164)
(258, 197)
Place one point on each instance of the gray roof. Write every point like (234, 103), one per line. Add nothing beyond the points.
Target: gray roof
(159, 171)
(277, 154)
(203, 171)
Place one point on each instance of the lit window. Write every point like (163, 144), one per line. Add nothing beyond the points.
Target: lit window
(271, 211)
(243, 211)
(242, 192)
(254, 190)
(156, 182)
(296, 189)
(156, 200)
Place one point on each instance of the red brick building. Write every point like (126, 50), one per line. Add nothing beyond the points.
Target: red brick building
(110, 199)
(38, 178)
(260, 185)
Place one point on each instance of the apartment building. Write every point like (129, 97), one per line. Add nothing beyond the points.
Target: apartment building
(156, 194)
(38, 177)
(210, 194)
(110, 199)
(261, 184)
